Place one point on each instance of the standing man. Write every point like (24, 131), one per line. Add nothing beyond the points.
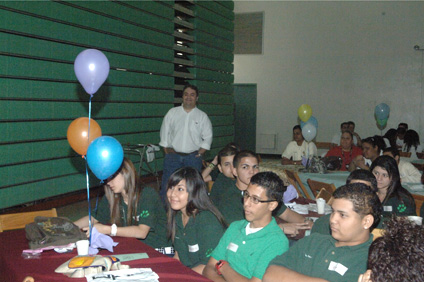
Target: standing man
(185, 135)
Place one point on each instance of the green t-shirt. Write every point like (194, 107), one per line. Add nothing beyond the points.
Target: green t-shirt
(249, 255)
(196, 241)
(403, 207)
(230, 203)
(150, 212)
(317, 256)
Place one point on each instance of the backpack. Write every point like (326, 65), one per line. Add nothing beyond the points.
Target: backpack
(52, 231)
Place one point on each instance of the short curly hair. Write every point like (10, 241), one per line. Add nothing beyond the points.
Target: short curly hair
(399, 254)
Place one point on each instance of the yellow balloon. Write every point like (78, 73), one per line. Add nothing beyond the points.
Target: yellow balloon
(304, 112)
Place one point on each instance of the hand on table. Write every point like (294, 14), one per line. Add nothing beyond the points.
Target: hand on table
(359, 161)
(104, 229)
(366, 277)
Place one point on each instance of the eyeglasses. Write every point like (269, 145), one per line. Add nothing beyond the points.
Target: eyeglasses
(254, 199)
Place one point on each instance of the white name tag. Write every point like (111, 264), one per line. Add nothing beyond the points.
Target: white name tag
(387, 208)
(232, 247)
(193, 248)
(337, 267)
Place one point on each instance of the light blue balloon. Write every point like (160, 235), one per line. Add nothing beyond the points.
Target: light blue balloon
(382, 111)
(312, 120)
(91, 68)
(309, 131)
(104, 156)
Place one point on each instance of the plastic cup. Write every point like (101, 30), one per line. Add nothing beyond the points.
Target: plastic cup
(82, 247)
(320, 206)
(418, 220)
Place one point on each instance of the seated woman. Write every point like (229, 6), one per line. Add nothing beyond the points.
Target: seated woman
(394, 198)
(411, 143)
(407, 171)
(346, 151)
(298, 148)
(195, 226)
(132, 210)
(372, 147)
(398, 255)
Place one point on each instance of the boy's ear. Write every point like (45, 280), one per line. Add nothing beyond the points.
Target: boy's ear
(220, 168)
(235, 172)
(272, 205)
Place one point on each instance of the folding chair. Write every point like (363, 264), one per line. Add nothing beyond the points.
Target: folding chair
(147, 153)
(19, 220)
(317, 185)
(297, 183)
(324, 194)
(405, 154)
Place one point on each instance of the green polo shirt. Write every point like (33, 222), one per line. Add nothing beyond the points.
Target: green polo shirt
(221, 184)
(196, 241)
(403, 207)
(317, 256)
(249, 255)
(230, 204)
(322, 225)
(150, 212)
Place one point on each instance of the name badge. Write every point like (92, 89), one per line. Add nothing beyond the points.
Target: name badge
(193, 248)
(337, 267)
(387, 208)
(232, 247)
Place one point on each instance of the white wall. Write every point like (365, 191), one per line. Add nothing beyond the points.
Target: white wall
(341, 58)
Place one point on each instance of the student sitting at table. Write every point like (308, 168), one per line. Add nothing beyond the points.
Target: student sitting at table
(341, 256)
(132, 210)
(390, 138)
(407, 171)
(298, 149)
(322, 224)
(398, 255)
(194, 223)
(346, 151)
(401, 130)
(411, 143)
(246, 164)
(226, 177)
(394, 198)
(372, 147)
(246, 248)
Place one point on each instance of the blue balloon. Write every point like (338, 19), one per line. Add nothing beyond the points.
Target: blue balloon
(312, 120)
(104, 156)
(382, 111)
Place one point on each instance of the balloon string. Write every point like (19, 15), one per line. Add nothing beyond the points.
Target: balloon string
(86, 173)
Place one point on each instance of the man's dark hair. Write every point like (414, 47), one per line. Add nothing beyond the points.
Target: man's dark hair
(342, 124)
(365, 175)
(244, 154)
(227, 151)
(403, 125)
(192, 87)
(392, 150)
(351, 123)
(272, 183)
(297, 127)
(399, 254)
(365, 201)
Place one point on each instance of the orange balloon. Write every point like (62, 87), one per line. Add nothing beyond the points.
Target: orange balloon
(78, 134)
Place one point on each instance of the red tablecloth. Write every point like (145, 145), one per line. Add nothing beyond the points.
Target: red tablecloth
(13, 267)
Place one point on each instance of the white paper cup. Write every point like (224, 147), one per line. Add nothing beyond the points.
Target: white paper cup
(418, 220)
(320, 205)
(82, 247)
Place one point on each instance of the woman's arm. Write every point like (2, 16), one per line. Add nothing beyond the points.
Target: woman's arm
(286, 161)
(83, 222)
(135, 231)
(295, 222)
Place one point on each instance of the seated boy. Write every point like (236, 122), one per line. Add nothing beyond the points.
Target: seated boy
(225, 178)
(341, 256)
(246, 248)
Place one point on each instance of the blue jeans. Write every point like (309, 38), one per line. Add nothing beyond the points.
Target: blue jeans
(172, 162)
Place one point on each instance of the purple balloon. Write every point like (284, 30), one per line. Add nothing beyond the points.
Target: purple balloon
(91, 68)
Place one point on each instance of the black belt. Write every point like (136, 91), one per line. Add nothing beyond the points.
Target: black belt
(184, 154)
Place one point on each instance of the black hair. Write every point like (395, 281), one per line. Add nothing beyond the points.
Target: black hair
(351, 123)
(392, 150)
(198, 199)
(365, 201)
(192, 87)
(244, 154)
(391, 135)
(399, 254)
(403, 125)
(365, 175)
(375, 140)
(343, 123)
(272, 183)
(229, 150)
(395, 189)
(297, 127)
(411, 139)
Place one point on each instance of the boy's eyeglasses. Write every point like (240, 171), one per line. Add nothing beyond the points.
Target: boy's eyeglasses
(254, 199)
